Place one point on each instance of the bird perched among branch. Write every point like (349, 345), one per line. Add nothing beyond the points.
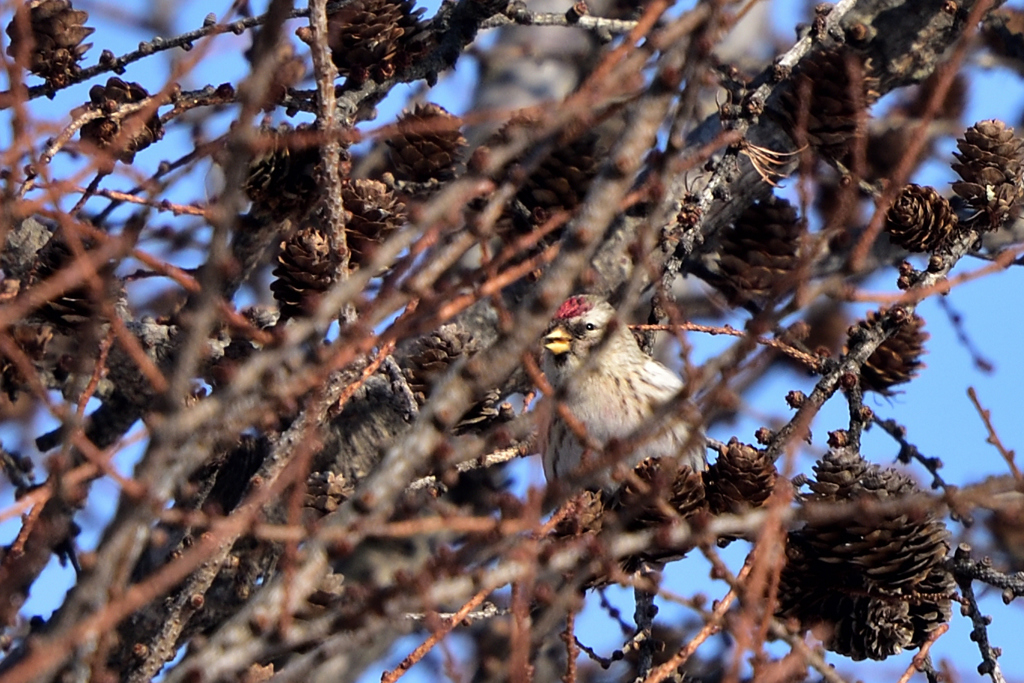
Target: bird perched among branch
(611, 390)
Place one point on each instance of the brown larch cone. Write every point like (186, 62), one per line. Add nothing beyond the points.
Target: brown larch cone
(890, 138)
(661, 491)
(1006, 524)
(56, 33)
(831, 90)
(325, 491)
(873, 582)
(742, 478)
(289, 72)
(431, 356)
(370, 39)
(562, 178)
(428, 145)
(32, 340)
(374, 213)
(897, 359)
(282, 179)
(105, 131)
(584, 514)
(759, 253)
(664, 490)
(991, 162)
(79, 304)
(1001, 31)
(688, 494)
(429, 359)
(307, 266)
(920, 219)
(836, 475)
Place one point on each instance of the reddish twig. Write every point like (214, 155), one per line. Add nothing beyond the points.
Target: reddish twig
(993, 437)
(446, 627)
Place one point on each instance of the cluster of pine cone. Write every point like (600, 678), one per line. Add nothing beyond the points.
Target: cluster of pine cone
(872, 581)
(990, 162)
(658, 492)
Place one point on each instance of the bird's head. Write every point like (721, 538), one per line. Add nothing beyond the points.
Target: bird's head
(580, 324)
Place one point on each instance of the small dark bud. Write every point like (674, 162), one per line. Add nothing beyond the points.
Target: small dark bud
(839, 438)
(764, 436)
(795, 399)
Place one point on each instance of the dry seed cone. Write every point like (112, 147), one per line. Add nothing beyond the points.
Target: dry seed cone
(75, 306)
(837, 474)
(759, 252)
(832, 89)
(431, 357)
(370, 39)
(428, 145)
(33, 341)
(282, 180)
(1006, 524)
(990, 162)
(428, 360)
(585, 515)
(742, 478)
(374, 214)
(105, 131)
(920, 219)
(325, 491)
(307, 266)
(897, 359)
(665, 490)
(562, 179)
(873, 582)
(57, 31)
(688, 493)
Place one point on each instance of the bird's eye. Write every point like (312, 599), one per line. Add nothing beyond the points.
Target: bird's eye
(591, 327)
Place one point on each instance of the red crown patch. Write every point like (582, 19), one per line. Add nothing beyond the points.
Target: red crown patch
(573, 307)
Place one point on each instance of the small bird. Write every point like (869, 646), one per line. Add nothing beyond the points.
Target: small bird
(611, 388)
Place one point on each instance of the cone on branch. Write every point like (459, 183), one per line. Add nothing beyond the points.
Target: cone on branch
(831, 92)
(428, 146)
(77, 305)
(920, 219)
(759, 252)
(307, 266)
(32, 340)
(289, 72)
(562, 178)
(105, 132)
(283, 177)
(56, 31)
(991, 164)
(660, 491)
(873, 582)
(742, 478)
(890, 138)
(374, 213)
(584, 514)
(371, 39)
(897, 360)
(429, 359)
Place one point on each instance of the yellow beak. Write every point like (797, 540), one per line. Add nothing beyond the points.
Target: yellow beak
(557, 341)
